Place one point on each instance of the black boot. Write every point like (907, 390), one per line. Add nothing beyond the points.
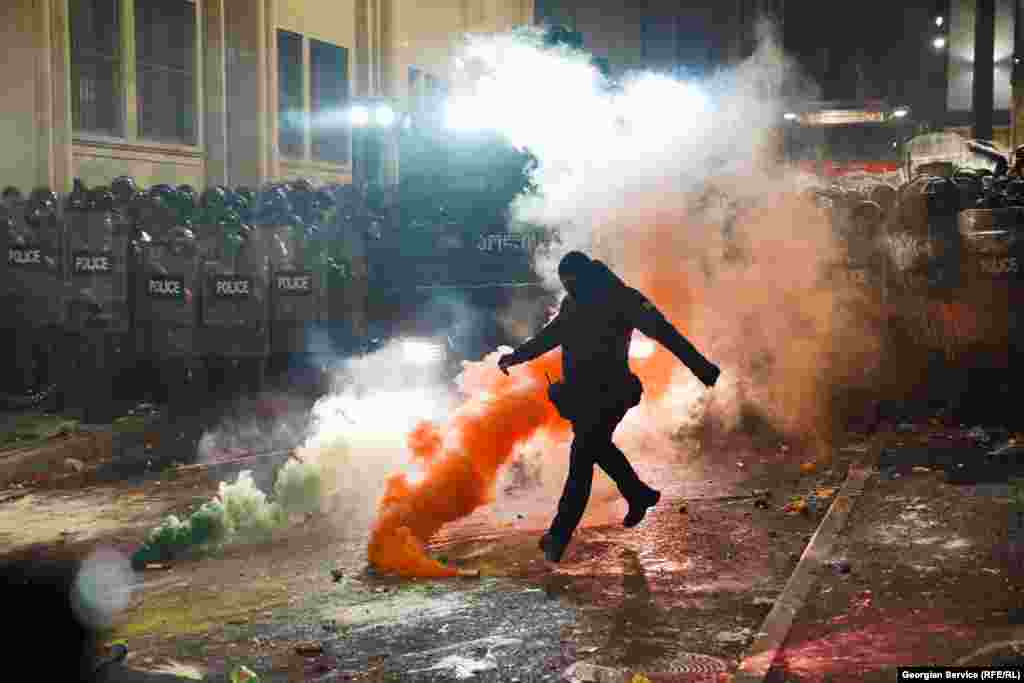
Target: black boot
(552, 547)
(638, 508)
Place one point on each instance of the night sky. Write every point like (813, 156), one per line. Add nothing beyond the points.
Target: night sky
(884, 47)
(869, 48)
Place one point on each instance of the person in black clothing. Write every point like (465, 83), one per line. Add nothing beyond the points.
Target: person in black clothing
(594, 326)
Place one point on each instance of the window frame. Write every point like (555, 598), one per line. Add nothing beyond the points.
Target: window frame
(344, 92)
(307, 158)
(303, 96)
(129, 106)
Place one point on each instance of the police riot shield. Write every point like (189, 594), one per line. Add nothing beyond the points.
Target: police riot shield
(34, 279)
(993, 276)
(32, 290)
(98, 342)
(234, 303)
(98, 243)
(167, 306)
(297, 277)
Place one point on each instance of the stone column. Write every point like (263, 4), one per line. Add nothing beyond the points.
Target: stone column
(215, 110)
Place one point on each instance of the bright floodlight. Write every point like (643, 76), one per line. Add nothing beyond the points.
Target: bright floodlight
(939, 42)
(421, 352)
(640, 347)
(465, 114)
(384, 116)
(359, 115)
(900, 113)
(939, 21)
(789, 116)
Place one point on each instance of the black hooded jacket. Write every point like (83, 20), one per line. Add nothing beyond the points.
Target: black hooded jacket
(595, 327)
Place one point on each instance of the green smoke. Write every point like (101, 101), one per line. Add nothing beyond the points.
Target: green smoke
(239, 512)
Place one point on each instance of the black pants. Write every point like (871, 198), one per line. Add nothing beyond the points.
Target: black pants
(592, 445)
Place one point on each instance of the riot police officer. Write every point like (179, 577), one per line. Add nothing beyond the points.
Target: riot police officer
(594, 327)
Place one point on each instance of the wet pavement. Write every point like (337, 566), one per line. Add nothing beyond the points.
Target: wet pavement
(684, 592)
(930, 579)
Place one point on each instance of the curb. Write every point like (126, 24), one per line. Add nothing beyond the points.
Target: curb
(763, 651)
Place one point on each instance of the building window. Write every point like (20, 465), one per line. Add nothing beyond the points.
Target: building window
(165, 46)
(162, 76)
(96, 91)
(322, 115)
(329, 94)
(291, 95)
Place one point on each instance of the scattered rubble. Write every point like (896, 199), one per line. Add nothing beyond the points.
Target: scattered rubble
(840, 566)
(244, 674)
(741, 635)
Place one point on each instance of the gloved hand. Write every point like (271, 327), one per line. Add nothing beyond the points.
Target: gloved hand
(709, 375)
(505, 362)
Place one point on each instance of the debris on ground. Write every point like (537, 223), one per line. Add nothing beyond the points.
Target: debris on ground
(683, 509)
(862, 601)
(331, 626)
(841, 566)
(310, 648)
(738, 636)
(244, 674)
(921, 470)
(808, 468)
(74, 464)
(797, 506)
(337, 575)
(320, 665)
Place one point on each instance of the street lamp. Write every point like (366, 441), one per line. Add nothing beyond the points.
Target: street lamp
(900, 112)
(359, 116)
(939, 42)
(789, 116)
(939, 21)
(384, 116)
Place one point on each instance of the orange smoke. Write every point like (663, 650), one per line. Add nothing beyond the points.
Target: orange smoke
(498, 414)
(733, 310)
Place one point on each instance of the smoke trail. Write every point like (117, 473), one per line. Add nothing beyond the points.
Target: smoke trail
(672, 183)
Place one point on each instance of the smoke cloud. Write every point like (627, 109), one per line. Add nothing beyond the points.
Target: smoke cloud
(674, 184)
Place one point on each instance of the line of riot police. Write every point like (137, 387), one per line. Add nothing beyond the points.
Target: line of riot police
(165, 293)
(947, 250)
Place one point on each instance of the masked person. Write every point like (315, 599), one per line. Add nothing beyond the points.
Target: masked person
(594, 327)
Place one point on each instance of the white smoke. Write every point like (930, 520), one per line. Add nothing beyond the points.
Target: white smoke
(676, 184)
(601, 145)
